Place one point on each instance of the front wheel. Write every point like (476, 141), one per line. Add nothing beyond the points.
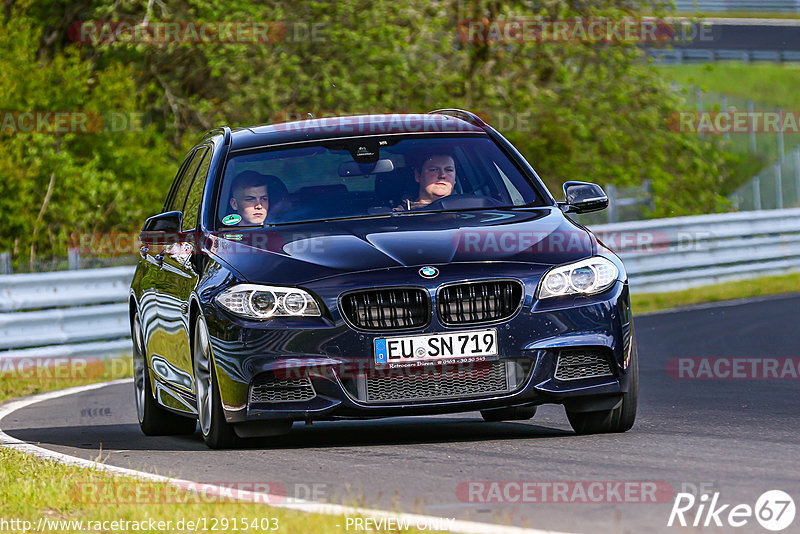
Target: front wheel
(619, 419)
(153, 419)
(217, 432)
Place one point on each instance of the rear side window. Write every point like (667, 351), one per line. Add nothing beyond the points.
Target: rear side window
(176, 204)
(192, 205)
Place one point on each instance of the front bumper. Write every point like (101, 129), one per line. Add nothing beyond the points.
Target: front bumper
(333, 357)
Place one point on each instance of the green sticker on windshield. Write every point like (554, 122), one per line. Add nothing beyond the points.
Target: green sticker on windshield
(233, 237)
(231, 219)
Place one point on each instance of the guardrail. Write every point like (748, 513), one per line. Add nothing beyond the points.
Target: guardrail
(83, 313)
(701, 55)
(683, 252)
(72, 313)
(764, 6)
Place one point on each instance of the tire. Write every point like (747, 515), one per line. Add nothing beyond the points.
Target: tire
(512, 413)
(621, 418)
(217, 432)
(153, 419)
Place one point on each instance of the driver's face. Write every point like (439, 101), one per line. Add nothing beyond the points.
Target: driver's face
(252, 204)
(437, 178)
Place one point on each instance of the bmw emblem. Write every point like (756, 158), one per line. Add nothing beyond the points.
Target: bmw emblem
(429, 272)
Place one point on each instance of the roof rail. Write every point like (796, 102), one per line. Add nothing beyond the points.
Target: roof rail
(225, 131)
(462, 114)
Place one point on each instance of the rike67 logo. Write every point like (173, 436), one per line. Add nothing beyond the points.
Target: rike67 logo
(774, 510)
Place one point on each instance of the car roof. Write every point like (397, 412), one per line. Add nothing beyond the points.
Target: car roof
(349, 126)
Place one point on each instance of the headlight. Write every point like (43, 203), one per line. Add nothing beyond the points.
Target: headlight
(264, 302)
(586, 277)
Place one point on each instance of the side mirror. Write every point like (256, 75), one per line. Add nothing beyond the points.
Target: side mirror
(162, 227)
(169, 221)
(583, 197)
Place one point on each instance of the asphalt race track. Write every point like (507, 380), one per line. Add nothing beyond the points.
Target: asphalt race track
(738, 437)
(741, 34)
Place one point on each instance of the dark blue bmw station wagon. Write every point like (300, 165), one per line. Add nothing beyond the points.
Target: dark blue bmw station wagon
(374, 266)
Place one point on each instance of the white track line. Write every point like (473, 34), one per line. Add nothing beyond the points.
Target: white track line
(278, 501)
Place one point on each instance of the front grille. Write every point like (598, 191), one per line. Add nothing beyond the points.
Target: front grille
(575, 364)
(436, 382)
(268, 388)
(478, 302)
(387, 309)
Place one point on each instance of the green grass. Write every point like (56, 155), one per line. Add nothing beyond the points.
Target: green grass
(768, 85)
(771, 84)
(18, 381)
(754, 287)
(31, 489)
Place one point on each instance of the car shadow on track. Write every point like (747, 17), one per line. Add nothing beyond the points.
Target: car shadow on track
(321, 435)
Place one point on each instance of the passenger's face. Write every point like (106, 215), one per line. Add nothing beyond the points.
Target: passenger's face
(252, 204)
(437, 178)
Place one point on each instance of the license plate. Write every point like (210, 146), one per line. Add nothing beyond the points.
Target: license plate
(435, 347)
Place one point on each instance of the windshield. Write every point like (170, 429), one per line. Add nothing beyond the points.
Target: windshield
(371, 176)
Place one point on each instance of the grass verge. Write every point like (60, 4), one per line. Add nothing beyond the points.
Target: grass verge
(38, 375)
(53, 497)
(741, 289)
(773, 84)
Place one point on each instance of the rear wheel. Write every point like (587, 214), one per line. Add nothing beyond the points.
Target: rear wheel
(512, 413)
(619, 419)
(153, 419)
(217, 432)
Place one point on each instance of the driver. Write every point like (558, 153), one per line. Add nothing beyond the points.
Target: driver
(249, 197)
(436, 176)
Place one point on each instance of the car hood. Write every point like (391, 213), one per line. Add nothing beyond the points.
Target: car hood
(300, 253)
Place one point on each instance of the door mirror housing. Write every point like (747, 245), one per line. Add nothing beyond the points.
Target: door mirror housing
(169, 221)
(163, 228)
(583, 197)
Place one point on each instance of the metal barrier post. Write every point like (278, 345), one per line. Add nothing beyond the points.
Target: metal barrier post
(780, 135)
(699, 95)
(74, 259)
(797, 173)
(725, 110)
(611, 193)
(778, 186)
(5, 263)
(757, 193)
